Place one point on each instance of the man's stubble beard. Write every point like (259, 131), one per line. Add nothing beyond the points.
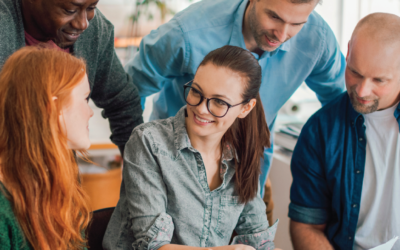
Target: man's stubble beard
(360, 108)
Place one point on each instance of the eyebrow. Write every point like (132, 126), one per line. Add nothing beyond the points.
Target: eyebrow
(353, 69)
(219, 96)
(271, 12)
(383, 78)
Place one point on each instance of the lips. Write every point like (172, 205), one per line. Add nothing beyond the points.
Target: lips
(363, 101)
(271, 43)
(71, 36)
(201, 121)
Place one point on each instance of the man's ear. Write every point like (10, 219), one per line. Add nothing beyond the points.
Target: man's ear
(348, 50)
(246, 109)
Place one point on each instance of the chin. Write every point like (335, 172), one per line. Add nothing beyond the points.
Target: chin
(79, 146)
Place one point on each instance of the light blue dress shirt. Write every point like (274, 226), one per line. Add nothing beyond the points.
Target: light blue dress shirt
(169, 57)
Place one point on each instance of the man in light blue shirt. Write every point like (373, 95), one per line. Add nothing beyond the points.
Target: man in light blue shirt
(292, 43)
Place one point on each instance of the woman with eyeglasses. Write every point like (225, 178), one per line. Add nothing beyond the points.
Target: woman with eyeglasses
(191, 180)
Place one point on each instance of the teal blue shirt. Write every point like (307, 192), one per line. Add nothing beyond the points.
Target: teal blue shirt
(169, 57)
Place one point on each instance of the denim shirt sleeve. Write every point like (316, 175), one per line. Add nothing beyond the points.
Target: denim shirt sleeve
(327, 77)
(161, 57)
(252, 227)
(309, 194)
(146, 193)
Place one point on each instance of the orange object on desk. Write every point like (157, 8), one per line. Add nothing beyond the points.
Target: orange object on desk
(102, 146)
(124, 42)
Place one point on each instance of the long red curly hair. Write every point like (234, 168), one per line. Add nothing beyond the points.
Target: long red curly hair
(38, 169)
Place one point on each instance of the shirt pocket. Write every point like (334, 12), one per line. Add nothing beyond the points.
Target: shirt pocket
(228, 215)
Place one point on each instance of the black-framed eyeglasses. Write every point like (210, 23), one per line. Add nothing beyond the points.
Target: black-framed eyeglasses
(215, 106)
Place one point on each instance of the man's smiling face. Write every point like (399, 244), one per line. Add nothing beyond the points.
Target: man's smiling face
(61, 21)
(273, 22)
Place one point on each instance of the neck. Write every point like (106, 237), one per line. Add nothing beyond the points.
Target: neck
(248, 37)
(30, 23)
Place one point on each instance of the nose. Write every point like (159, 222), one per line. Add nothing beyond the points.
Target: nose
(81, 21)
(202, 107)
(282, 32)
(363, 89)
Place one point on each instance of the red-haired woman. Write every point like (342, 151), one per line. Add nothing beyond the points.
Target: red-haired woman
(44, 116)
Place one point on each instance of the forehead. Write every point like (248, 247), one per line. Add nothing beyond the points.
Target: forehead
(215, 80)
(288, 11)
(73, 2)
(374, 58)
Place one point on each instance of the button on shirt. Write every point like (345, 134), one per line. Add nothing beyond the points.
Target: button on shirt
(165, 197)
(328, 166)
(169, 57)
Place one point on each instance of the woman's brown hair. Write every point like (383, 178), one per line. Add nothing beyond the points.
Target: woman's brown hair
(38, 169)
(250, 135)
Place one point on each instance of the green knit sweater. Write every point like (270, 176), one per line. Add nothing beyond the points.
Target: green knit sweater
(11, 235)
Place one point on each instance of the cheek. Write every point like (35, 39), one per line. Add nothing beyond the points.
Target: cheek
(90, 15)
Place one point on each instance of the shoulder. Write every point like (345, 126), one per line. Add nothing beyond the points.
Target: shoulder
(334, 109)
(208, 14)
(154, 132)
(329, 118)
(6, 210)
(316, 35)
(11, 236)
(8, 10)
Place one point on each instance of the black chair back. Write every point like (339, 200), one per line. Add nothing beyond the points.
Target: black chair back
(97, 227)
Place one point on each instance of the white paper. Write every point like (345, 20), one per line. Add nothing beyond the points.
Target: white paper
(387, 246)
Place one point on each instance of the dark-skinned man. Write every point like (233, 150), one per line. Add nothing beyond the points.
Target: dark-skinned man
(77, 27)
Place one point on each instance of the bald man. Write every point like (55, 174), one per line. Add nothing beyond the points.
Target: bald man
(346, 165)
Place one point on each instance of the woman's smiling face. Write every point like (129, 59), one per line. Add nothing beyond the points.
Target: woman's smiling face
(216, 82)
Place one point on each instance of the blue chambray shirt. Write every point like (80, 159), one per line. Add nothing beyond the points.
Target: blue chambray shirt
(165, 197)
(328, 171)
(169, 57)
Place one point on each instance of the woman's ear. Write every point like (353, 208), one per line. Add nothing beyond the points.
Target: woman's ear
(247, 108)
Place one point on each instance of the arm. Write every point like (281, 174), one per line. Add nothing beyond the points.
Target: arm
(179, 247)
(310, 205)
(327, 77)
(306, 236)
(252, 227)
(114, 91)
(162, 57)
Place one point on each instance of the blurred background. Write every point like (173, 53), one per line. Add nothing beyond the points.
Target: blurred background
(134, 19)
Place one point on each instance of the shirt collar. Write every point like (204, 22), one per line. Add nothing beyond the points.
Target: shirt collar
(180, 133)
(237, 38)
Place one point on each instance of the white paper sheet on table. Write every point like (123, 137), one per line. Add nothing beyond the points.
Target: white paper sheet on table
(388, 245)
